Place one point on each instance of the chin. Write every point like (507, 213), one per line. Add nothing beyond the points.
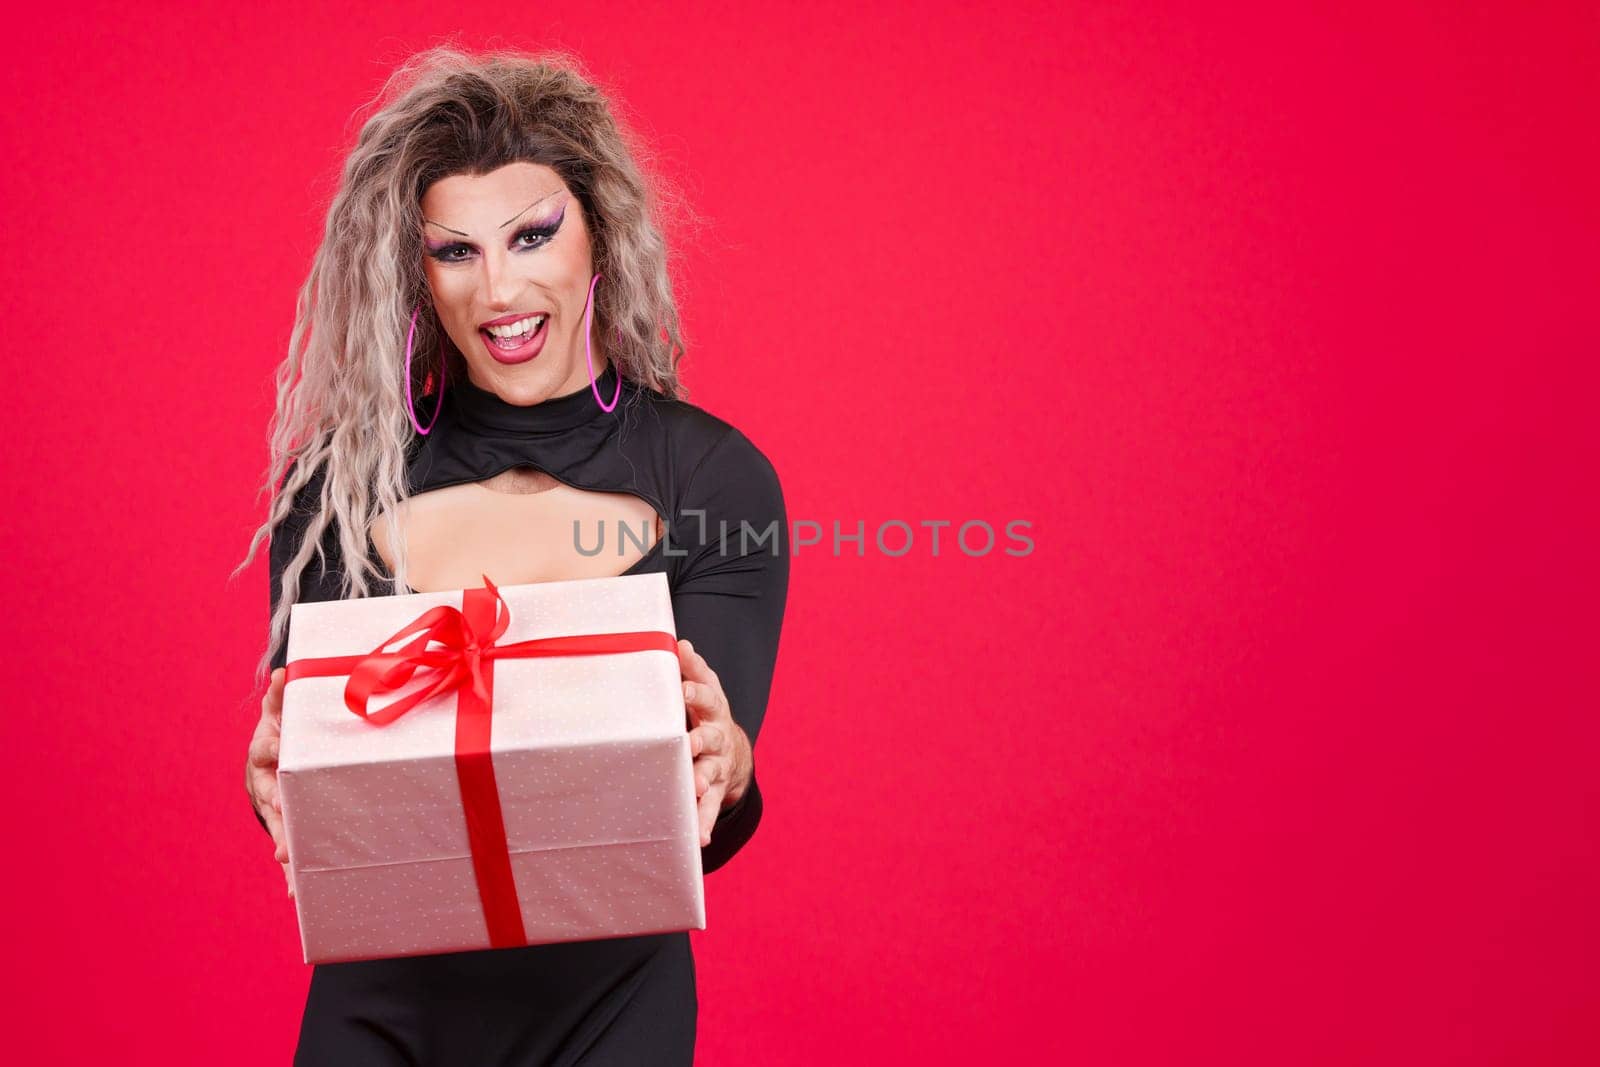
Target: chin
(521, 383)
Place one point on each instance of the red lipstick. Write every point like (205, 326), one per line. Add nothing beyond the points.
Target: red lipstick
(519, 349)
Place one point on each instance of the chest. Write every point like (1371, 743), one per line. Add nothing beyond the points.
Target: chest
(519, 527)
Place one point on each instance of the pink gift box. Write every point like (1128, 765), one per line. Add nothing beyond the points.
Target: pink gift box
(591, 769)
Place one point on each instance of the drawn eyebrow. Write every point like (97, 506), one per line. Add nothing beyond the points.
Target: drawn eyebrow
(504, 224)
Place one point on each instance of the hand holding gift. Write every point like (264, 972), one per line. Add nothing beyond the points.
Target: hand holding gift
(721, 749)
(261, 771)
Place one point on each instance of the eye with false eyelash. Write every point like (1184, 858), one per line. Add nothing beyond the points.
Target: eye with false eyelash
(540, 232)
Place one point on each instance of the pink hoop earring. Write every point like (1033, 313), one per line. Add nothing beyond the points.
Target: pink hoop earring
(410, 403)
(589, 356)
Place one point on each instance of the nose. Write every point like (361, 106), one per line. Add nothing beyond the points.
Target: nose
(500, 282)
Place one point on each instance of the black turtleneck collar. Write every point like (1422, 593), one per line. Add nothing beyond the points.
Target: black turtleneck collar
(481, 411)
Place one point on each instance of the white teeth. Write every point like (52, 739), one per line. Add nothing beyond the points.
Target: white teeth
(518, 328)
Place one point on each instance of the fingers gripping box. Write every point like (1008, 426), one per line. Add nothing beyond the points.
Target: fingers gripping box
(488, 768)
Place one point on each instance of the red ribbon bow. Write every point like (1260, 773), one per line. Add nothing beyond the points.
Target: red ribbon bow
(464, 662)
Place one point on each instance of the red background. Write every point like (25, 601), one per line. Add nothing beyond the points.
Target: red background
(1279, 330)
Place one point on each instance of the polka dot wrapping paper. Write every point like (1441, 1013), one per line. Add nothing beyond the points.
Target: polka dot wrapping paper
(585, 757)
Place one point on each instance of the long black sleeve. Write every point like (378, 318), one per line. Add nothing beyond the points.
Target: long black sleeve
(284, 543)
(730, 600)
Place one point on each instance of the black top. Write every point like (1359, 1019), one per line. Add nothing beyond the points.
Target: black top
(725, 553)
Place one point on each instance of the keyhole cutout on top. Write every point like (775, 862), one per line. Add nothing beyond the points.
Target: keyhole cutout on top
(517, 527)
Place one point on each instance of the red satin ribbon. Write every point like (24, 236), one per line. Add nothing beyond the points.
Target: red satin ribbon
(465, 663)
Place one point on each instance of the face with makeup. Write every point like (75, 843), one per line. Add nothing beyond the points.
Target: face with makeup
(501, 250)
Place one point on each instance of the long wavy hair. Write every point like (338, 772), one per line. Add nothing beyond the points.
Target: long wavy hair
(341, 401)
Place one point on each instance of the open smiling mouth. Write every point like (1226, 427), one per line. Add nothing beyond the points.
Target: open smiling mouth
(516, 342)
